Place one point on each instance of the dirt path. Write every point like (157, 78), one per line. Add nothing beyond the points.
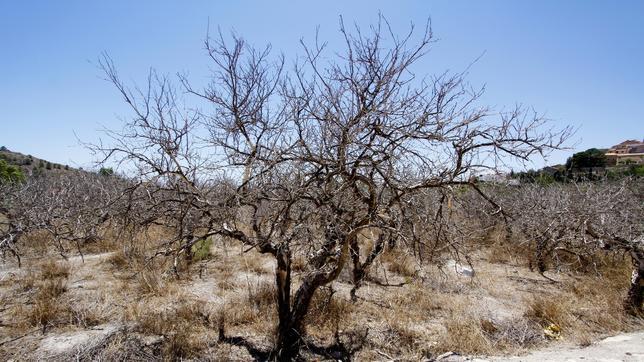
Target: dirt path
(623, 347)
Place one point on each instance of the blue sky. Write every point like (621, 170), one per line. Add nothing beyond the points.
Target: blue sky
(579, 62)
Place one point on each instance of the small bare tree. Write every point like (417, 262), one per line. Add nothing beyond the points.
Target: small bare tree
(298, 161)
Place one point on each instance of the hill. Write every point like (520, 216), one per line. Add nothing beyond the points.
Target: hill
(30, 165)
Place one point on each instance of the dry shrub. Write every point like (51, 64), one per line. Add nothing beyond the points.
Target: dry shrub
(181, 327)
(52, 270)
(399, 262)
(327, 311)
(118, 260)
(400, 334)
(464, 334)
(254, 264)
(546, 310)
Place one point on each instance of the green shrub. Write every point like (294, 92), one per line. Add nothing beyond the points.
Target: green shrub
(201, 249)
(106, 171)
(10, 173)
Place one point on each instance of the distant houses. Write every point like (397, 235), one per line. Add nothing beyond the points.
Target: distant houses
(622, 160)
(630, 152)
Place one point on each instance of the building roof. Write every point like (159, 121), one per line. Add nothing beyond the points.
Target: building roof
(630, 146)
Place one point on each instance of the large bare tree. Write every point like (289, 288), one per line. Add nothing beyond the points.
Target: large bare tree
(296, 161)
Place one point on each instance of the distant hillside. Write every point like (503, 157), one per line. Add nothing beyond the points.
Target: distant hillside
(30, 165)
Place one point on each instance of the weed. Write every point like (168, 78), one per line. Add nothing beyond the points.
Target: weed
(52, 270)
(399, 262)
(201, 249)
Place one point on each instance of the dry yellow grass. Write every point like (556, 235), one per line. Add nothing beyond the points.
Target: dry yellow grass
(180, 326)
(399, 262)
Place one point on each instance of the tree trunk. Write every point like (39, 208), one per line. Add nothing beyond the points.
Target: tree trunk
(290, 329)
(540, 256)
(286, 345)
(635, 297)
(360, 269)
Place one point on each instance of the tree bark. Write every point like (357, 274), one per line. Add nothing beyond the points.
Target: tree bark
(292, 314)
(286, 346)
(635, 297)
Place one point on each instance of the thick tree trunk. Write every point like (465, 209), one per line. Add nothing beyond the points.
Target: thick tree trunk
(360, 269)
(286, 346)
(291, 329)
(635, 297)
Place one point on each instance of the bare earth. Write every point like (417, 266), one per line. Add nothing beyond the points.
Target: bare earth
(628, 347)
(622, 347)
(497, 292)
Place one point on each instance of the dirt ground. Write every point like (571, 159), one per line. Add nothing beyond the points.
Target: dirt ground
(109, 309)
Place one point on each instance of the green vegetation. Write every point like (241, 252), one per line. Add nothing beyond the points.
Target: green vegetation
(201, 249)
(10, 173)
(588, 165)
(592, 157)
(106, 171)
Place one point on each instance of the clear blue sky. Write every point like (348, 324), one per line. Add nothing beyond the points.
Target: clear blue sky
(580, 61)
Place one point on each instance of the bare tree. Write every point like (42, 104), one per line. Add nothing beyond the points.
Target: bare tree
(298, 161)
(582, 219)
(71, 208)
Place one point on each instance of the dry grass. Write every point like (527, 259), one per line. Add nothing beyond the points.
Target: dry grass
(263, 295)
(254, 312)
(254, 263)
(53, 270)
(469, 333)
(399, 262)
(327, 312)
(586, 306)
(435, 312)
(48, 308)
(546, 310)
(181, 327)
(118, 260)
(464, 334)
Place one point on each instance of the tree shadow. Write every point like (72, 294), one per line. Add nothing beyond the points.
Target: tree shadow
(257, 353)
(336, 351)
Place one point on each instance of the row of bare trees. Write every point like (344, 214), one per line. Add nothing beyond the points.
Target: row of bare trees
(581, 220)
(70, 208)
